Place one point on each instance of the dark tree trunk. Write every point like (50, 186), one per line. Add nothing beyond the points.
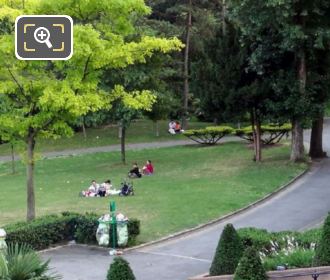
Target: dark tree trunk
(122, 145)
(224, 15)
(84, 128)
(316, 145)
(156, 125)
(120, 129)
(256, 130)
(31, 213)
(186, 69)
(297, 149)
(13, 166)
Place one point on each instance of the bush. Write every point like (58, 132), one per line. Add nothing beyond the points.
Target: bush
(228, 252)
(271, 134)
(49, 230)
(120, 270)
(210, 135)
(21, 262)
(296, 259)
(268, 243)
(322, 255)
(250, 267)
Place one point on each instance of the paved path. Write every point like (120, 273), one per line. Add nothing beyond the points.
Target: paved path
(303, 205)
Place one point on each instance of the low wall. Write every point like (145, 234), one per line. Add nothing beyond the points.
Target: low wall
(290, 274)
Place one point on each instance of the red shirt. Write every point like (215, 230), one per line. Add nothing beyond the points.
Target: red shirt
(150, 168)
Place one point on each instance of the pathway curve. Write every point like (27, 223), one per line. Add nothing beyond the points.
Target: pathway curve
(303, 205)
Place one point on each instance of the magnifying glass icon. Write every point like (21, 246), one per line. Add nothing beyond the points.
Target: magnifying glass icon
(41, 35)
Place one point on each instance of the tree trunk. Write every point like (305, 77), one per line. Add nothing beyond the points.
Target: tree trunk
(316, 144)
(258, 140)
(13, 167)
(186, 69)
(120, 129)
(297, 148)
(256, 130)
(84, 128)
(31, 213)
(122, 145)
(156, 124)
(224, 14)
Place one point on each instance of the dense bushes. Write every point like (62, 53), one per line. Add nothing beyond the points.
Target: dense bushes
(49, 230)
(210, 135)
(322, 256)
(120, 270)
(228, 252)
(250, 266)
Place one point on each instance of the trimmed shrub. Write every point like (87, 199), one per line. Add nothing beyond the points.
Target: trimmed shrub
(250, 266)
(209, 135)
(322, 254)
(49, 230)
(271, 134)
(228, 252)
(120, 270)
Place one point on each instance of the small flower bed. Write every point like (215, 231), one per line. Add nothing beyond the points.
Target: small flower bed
(286, 249)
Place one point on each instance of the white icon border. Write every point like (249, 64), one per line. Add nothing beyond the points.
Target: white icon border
(46, 58)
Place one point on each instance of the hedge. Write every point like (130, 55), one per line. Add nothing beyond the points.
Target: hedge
(209, 135)
(120, 270)
(322, 257)
(271, 134)
(53, 229)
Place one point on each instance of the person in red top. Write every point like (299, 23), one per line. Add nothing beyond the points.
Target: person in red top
(148, 169)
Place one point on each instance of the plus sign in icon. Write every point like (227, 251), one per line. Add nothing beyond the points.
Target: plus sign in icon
(44, 37)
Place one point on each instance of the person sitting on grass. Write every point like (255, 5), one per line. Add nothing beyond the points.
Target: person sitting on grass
(148, 169)
(92, 190)
(135, 172)
(178, 128)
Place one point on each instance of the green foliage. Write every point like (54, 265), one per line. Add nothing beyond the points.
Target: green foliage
(267, 243)
(228, 252)
(271, 134)
(120, 270)
(49, 230)
(22, 263)
(322, 257)
(210, 135)
(299, 258)
(250, 266)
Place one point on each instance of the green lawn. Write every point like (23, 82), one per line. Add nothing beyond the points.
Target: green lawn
(140, 131)
(192, 184)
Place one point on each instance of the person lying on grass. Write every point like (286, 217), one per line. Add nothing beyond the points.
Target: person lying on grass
(109, 190)
(148, 169)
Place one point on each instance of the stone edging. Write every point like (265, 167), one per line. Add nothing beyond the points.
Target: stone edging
(199, 227)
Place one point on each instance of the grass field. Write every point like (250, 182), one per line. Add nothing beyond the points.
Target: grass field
(192, 184)
(139, 132)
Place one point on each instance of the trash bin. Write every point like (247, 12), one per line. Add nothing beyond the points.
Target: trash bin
(102, 232)
(3, 244)
(122, 233)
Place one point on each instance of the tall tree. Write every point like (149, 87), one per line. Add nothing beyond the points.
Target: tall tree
(285, 34)
(46, 97)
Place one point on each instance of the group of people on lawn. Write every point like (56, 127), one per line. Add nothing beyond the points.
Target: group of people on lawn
(107, 189)
(174, 127)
